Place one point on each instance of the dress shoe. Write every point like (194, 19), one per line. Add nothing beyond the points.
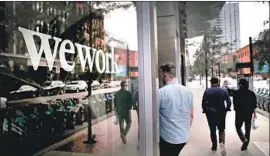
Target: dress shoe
(214, 147)
(245, 145)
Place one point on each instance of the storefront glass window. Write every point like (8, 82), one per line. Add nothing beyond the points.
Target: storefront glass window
(61, 79)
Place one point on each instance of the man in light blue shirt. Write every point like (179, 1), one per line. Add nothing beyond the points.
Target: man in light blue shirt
(175, 113)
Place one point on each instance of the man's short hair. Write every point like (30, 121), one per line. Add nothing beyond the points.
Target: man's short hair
(123, 83)
(168, 68)
(243, 83)
(214, 80)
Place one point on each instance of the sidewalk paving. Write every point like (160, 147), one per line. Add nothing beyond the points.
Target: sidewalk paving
(109, 142)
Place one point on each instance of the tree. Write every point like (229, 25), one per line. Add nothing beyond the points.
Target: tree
(67, 20)
(198, 67)
(96, 11)
(214, 46)
(262, 53)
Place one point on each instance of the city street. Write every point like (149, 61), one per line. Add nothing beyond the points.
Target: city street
(109, 142)
(63, 96)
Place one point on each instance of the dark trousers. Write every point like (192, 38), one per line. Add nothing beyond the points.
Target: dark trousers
(124, 129)
(137, 110)
(168, 149)
(217, 121)
(239, 120)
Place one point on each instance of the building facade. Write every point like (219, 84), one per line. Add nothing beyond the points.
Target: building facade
(230, 25)
(243, 56)
(65, 20)
(123, 65)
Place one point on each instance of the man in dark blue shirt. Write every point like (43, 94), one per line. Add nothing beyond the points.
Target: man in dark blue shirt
(214, 108)
(245, 104)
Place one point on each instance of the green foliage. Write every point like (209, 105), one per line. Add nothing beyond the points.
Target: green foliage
(212, 50)
(199, 65)
(60, 19)
(262, 48)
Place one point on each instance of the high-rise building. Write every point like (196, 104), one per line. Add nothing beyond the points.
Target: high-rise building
(230, 25)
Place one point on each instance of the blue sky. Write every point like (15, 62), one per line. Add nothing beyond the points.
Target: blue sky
(123, 24)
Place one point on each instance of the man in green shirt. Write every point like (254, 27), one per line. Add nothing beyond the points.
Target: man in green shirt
(123, 106)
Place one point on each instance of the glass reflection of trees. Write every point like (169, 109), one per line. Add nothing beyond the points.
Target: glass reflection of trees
(80, 22)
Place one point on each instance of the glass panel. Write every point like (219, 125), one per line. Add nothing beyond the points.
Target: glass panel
(60, 75)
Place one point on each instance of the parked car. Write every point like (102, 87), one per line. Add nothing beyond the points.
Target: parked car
(105, 85)
(53, 87)
(76, 86)
(114, 84)
(24, 91)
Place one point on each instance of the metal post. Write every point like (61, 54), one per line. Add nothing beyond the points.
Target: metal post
(183, 72)
(251, 56)
(219, 74)
(147, 41)
(212, 66)
(251, 61)
(206, 70)
(127, 61)
(90, 138)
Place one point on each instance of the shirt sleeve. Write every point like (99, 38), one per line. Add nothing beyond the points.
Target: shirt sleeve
(228, 100)
(235, 101)
(204, 102)
(254, 100)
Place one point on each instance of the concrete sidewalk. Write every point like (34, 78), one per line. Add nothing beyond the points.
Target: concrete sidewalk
(109, 142)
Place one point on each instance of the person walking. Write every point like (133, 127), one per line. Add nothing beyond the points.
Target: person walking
(214, 108)
(175, 109)
(245, 104)
(123, 106)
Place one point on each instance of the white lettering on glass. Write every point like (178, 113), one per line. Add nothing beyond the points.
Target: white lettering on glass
(50, 56)
(63, 50)
(44, 47)
(107, 63)
(87, 57)
(101, 55)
